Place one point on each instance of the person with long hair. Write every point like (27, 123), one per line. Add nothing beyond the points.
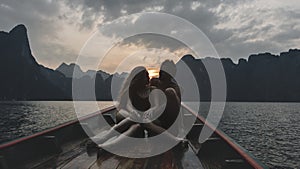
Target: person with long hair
(167, 83)
(131, 102)
(137, 103)
(171, 90)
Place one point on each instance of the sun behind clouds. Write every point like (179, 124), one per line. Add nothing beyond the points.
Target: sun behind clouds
(153, 72)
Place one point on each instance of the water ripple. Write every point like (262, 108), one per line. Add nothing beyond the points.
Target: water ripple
(270, 131)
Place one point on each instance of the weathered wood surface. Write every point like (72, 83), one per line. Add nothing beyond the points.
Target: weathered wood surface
(172, 159)
(66, 148)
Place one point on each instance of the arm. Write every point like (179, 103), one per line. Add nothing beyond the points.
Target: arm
(127, 110)
(158, 103)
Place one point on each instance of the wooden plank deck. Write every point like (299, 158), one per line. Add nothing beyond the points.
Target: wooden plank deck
(171, 159)
(164, 161)
(82, 161)
(64, 147)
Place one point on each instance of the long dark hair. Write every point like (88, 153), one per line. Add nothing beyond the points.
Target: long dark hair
(133, 79)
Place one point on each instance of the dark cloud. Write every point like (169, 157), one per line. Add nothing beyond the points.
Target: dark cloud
(36, 15)
(258, 29)
(252, 34)
(39, 16)
(154, 41)
(236, 28)
(110, 10)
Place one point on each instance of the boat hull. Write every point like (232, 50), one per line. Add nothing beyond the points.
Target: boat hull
(65, 147)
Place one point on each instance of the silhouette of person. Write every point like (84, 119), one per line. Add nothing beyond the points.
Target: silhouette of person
(135, 101)
(169, 86)
(132, 101)
(133, 97)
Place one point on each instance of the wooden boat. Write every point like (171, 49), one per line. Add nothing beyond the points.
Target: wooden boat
(64, 147)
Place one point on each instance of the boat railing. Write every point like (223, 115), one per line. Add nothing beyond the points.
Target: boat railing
(69, 123)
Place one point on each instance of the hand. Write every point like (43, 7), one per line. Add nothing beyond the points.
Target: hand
(134, 115)
(147, 116)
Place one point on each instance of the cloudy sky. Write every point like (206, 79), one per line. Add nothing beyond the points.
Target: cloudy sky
(237, 28)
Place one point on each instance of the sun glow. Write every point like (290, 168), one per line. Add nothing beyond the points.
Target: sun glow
(153, 72)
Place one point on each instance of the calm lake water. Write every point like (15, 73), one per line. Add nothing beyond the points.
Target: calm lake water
(270, 131)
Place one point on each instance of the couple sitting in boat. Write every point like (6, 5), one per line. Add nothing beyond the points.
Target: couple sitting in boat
(146, 104)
